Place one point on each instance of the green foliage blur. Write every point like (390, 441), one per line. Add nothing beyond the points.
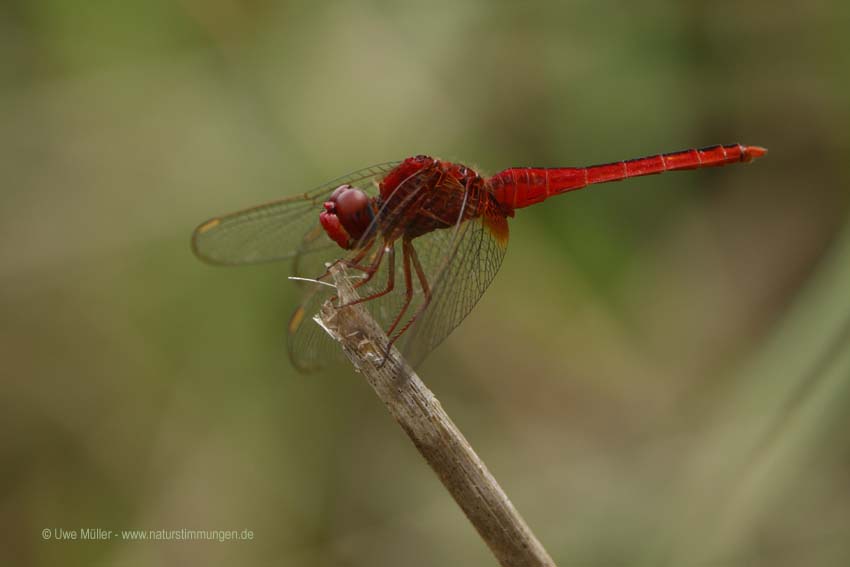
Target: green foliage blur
(660, 374)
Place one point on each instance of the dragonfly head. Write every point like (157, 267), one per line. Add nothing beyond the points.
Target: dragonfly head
(347, 216)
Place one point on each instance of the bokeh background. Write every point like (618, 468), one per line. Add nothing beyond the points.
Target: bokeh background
(660, 374)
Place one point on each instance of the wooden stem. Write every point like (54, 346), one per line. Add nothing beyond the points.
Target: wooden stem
(433, 433)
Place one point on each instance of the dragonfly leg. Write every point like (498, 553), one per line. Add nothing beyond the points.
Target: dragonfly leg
(390, 251)
(426, 291)
(423, 281)
(407, 252)
(369, 270)
(410, 257)
(352, 263)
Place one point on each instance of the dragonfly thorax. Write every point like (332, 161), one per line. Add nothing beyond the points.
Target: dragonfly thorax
(423, 194)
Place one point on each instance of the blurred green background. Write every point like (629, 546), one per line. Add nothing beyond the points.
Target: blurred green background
(660, 374)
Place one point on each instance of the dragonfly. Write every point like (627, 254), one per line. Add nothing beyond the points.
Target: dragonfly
(422, 238)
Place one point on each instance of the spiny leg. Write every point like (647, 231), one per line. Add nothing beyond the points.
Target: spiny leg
(353, 263)
(407, 250)
(390, 251)
(369, 270)
(410, 256)
(426, 291)
(420, 273)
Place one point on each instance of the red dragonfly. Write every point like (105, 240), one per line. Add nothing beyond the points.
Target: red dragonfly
(424, 237)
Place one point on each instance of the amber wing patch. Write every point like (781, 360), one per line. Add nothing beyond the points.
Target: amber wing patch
(498, 227)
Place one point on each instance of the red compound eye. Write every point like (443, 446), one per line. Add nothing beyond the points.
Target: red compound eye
(347, 215)
(354, 212)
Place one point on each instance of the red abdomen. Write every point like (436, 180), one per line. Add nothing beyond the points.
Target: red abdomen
(520, 187)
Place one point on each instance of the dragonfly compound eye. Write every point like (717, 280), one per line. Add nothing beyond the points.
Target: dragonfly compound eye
(347, 215)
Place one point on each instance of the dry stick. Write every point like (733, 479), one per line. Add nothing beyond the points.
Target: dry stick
(422, 417)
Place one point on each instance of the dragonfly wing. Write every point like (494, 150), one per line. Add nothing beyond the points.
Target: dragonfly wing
(309, 346)
(463, 263)
(278, 230)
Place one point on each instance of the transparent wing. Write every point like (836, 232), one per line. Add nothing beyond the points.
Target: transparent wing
(309, 346)
(464, 262)
(456, 264)
(277, 230)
